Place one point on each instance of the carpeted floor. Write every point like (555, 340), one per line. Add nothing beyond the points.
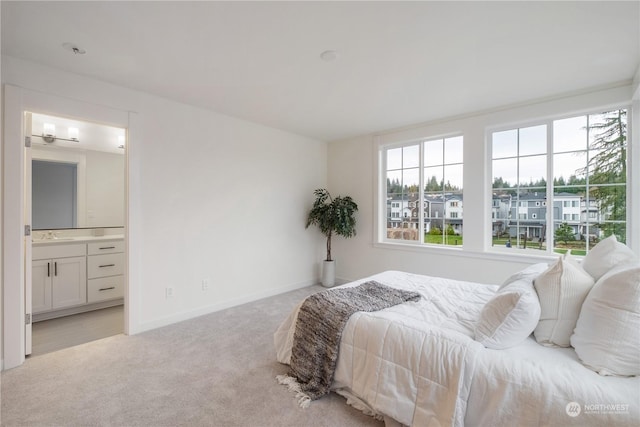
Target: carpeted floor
(216, 370)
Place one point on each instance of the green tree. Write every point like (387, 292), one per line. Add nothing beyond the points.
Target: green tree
(393, 187)
(607, 169)
(499, 182)
(564, 233)
(433, 185)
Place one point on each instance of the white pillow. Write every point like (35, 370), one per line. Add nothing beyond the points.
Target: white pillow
(528, 274)
(607, 254)
(607, 335)
(561, 290)
(509, 317)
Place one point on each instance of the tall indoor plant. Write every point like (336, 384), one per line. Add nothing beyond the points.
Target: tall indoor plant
(332, 216)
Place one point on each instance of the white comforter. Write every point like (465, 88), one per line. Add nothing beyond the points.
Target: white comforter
(418, 364)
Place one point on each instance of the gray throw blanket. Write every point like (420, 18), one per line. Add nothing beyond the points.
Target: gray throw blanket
(319, 326)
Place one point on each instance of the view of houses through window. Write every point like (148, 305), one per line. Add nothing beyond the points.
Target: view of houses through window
(568, 176)
(558, 185)
(424, 192)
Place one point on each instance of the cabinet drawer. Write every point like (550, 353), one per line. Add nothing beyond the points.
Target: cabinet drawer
(105, 265)
(58, 251)
(97, 248)
(105, 288)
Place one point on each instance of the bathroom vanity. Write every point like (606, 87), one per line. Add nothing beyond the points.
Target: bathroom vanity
(76, 274)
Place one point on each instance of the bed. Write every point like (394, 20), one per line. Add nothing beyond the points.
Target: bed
(421, 363)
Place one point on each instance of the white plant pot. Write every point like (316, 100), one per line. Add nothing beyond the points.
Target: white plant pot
(328, 274)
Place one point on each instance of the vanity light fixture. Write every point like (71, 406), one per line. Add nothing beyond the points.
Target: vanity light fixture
(49, 134)
(74, 133)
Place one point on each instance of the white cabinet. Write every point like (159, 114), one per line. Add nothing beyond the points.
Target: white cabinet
(76, 275)
(59, 277)
(105, 271)
(41, 285)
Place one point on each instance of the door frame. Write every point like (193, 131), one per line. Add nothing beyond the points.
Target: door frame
(15, 263)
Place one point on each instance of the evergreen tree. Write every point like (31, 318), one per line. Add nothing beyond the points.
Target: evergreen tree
(608, 133)
(564, 233)
(433, 185)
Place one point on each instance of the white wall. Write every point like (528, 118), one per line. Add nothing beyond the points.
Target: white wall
(352, 172)
(105, 175)
(214, 197)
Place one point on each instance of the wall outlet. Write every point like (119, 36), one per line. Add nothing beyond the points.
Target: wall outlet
(168, 292)
(205, 284)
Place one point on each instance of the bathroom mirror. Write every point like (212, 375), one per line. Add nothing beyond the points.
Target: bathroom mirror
(77, 174)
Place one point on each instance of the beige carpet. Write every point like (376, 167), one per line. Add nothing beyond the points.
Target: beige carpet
(216, 370)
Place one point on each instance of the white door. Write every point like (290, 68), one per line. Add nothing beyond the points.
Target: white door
(27, 239)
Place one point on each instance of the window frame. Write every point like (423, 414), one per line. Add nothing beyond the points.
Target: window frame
(380, 217)
(548, 121)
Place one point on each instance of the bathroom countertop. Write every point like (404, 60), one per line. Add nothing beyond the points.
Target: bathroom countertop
(75, 239)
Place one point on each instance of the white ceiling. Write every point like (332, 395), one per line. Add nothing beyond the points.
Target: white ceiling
(399, 63)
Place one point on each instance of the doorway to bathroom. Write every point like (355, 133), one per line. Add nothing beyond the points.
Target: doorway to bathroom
(75, 202)
(80, 259)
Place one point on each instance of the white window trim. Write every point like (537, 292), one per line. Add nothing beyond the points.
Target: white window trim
(380, 234)
(632, 166)
(476, 129)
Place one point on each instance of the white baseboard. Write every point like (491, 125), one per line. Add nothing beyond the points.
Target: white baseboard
(190, 314)
(37, 317)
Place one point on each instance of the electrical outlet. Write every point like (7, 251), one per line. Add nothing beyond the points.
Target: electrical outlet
(205, 284)
(169, 292)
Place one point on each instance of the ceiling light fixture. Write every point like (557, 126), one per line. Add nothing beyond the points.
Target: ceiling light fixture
(74, 48)
(329, 55)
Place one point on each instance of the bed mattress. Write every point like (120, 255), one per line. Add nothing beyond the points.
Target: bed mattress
(418, 364)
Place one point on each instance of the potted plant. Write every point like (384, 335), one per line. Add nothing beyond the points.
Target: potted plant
(332, 216)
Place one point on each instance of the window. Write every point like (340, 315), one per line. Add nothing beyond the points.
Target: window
(427, 173)
(577, 165)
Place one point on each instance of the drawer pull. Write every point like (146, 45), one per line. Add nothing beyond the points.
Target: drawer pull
(107, 247)
(48, 269)
(107, 289)
(106, 265)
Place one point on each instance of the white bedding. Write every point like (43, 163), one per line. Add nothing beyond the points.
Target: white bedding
(419, 364)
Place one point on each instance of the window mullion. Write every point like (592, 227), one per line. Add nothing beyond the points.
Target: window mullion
(550, 222)
(421, 200)
(517, 210)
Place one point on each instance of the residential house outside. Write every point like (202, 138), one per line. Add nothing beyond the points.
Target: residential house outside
(439, 212)
(526, 216)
